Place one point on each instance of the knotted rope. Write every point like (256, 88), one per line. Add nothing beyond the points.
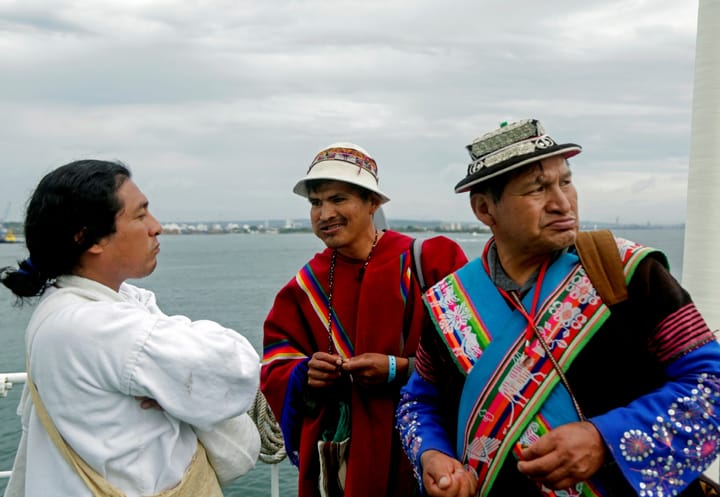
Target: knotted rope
(272, 446)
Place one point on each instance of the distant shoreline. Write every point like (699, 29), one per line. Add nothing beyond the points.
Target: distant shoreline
(441, 229)
(405, 226)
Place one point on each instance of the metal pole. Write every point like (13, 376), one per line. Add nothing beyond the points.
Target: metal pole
(275, 480)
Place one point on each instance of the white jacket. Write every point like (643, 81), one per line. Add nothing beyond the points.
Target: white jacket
(92, 352)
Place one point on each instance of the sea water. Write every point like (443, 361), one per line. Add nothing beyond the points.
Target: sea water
(232, 279)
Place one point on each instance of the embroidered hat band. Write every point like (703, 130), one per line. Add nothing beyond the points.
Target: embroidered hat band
(509, 147)
(345, 162)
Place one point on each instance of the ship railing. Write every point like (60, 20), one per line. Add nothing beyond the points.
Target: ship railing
(272, 449)
(7, 380)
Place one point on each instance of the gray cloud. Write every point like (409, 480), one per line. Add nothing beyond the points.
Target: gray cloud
(219, 106)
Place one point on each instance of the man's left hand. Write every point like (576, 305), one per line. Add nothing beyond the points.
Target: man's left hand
(148, 403)
(368, 368)
(564, 456)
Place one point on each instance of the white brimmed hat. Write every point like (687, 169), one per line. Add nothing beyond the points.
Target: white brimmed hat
(509, 147)
(345, 162)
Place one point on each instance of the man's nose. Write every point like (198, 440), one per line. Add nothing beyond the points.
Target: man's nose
(559, 199)
(327, 210)
(154, 228)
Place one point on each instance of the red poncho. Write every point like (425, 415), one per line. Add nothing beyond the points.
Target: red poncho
(381, 313)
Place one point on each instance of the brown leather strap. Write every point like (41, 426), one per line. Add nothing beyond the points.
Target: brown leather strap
(599, 256)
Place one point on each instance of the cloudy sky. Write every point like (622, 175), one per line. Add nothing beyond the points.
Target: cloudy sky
(218, 106)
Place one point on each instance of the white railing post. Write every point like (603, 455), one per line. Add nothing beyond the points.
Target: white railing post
(7, 380)
(6, 383)
(275, 480)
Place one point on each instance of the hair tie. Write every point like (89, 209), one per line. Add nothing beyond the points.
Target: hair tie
(27, 263)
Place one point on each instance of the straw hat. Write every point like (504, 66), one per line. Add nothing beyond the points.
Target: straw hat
(343, 162)
(509, 147)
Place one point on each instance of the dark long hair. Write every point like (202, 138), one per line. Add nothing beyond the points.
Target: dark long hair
(72, 208)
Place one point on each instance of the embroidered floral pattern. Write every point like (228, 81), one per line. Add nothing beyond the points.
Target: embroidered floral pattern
(636, 445)
(407, 424)
(687, 413)
(582, 290)
(684, 441)
(568, 317)
(456, 315)
(569, 314)
(448, 299)
(454, 321)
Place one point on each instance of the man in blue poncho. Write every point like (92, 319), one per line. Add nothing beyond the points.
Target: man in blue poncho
(532, 384)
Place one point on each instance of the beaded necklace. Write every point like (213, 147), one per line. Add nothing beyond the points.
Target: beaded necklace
(331, 287)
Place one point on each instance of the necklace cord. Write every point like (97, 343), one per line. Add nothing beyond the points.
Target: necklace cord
(331, 287)
(532, 329)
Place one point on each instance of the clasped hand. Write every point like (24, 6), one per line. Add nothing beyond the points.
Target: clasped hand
(365, 369)
(444, 476)
(559, 459)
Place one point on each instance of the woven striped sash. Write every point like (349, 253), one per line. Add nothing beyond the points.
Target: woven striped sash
(512, 394)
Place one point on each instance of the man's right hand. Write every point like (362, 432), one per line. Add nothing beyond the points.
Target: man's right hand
(444, 476)
(324, 369)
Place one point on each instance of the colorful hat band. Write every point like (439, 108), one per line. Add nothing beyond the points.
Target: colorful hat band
(349, 155)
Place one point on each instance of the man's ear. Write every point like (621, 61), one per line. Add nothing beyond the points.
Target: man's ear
(483, 207)
(95, 248)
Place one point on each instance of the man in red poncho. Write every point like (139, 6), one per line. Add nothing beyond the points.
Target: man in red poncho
(340, 339)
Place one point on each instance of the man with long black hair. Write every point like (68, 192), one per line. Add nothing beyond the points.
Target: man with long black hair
(100, 351)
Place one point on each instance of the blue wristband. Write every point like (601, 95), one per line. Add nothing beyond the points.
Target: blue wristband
(392, 368)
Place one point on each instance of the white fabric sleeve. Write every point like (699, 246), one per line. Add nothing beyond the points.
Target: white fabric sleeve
(232, 446)
(142, 296)
(198, 371)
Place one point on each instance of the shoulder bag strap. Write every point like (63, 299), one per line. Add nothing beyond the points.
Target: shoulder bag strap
(199, 478)
(600, 257)
(417, 271)
(416, 262)
(98, 485)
